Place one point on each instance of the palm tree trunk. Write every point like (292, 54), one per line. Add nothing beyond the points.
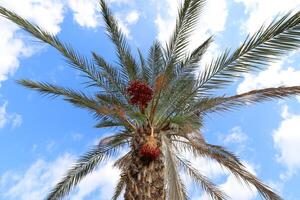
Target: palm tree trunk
(145, 179)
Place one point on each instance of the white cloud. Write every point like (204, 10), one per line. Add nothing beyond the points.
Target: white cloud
(102, 180)
(50, 146)
(125, 20)
(165, 19)
(120, 2)
(3, 115)
(16, 120)
(236, 135)
(41, 176)
(208, 20)
(287, 140)
(7, 118)
(86, 13)
(47, 14)
(36, 181)
(209, 168)
(275, 75)
(132, 17)
(164, 26)
(264, 11)
(12, 48)
(77, 136)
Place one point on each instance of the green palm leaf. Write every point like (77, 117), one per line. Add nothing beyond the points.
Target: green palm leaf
(192, 61)
(128, 64)
(255, 96)
(185, 24)
(156, 62)
(214, 192)
(265, 46)
(120, 187)
(77, 98)
(235, 168)
(116, 84)
(106, 123)
(145, 71)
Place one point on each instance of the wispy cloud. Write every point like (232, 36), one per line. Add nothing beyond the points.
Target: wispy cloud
(12, 119)
(102, 182)
(132, 17)
(36, 181)
(12, 49)
(287, 140)
(235, 136)
(86, 13)
(3, 115)
(77, 136)
(260, 12)
(126, 20)
(47, 14)
(277, 74)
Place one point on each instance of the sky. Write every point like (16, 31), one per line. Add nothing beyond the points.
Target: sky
(41, 137)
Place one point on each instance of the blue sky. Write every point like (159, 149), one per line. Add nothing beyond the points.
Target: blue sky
(41, 137)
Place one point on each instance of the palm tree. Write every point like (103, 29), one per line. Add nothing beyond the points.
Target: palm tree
(158, 104)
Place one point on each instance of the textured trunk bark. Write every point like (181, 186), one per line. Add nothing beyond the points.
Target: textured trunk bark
(145, 180)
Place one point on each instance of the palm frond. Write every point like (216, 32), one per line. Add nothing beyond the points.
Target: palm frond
(155, 62)
(116, 84)
(145, 71)
(114, 100)
(192, 61)
(73, 58)
(251, 97)
(170, 104)
(107, 123)
(265, 46)
(235, 168)
(85, 165)
(257, 51)
(124, 136)
(219, 150)
(77, 98)
(124, 161)
(210, 188)
(175, 188)
(185, 24)
(195, 143)
(119, 187)
(128, 64)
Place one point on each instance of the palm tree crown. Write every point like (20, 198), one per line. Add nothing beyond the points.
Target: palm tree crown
(158, 103)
